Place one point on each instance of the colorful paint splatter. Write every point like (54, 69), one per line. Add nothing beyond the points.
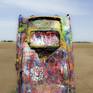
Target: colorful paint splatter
(44, 57)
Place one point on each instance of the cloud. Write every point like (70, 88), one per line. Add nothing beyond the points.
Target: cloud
(48, 6)
(10, 9)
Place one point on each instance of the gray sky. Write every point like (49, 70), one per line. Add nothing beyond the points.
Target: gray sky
(81, 12)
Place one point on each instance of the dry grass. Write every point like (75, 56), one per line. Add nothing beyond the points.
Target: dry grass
(83, 55)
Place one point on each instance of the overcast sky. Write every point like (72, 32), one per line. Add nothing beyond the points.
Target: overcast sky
(81, 12)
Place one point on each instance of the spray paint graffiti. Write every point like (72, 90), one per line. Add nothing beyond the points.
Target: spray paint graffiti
(44, 57)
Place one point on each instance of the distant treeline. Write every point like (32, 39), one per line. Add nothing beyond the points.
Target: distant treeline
(81, 42)
(6, 41)
(73, 41)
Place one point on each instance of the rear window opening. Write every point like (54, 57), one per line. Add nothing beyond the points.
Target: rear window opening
(45, 23)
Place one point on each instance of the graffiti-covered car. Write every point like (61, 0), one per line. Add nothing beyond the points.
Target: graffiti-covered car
(44, 57)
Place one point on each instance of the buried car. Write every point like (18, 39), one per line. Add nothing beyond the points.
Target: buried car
(44, 57)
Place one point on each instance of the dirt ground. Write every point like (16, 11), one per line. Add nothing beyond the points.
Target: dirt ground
(7, 69)
(83, 56)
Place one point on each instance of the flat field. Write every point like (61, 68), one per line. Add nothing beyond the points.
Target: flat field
(83, 57)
